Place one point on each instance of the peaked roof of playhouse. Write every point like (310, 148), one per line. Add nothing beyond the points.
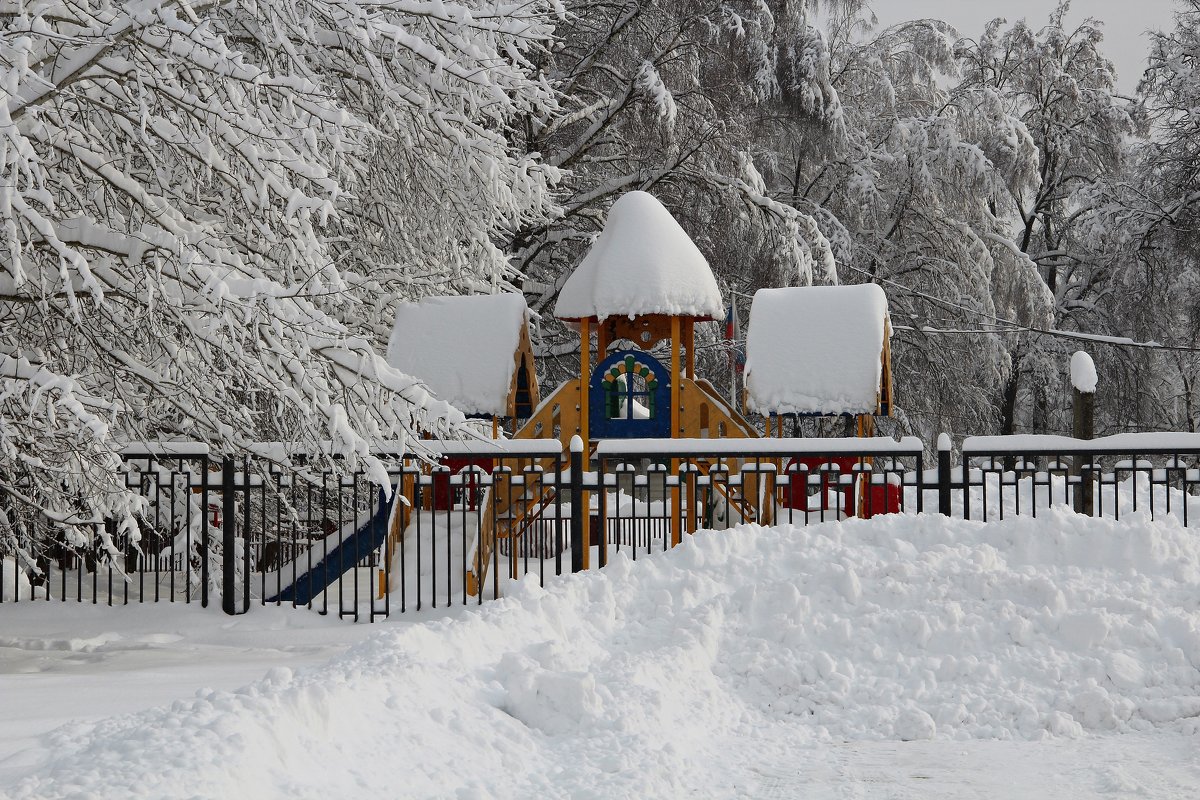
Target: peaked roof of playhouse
(463, 348)
(643, 263)
(817, 350)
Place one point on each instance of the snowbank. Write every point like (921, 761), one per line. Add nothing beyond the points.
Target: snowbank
(705, 670)
(816, 349)
(643, 263)
(463, 348)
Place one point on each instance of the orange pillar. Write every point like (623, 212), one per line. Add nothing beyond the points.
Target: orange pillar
(676, 424)
(585, 379)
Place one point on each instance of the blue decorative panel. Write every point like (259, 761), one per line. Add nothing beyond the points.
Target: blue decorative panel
(629, 397)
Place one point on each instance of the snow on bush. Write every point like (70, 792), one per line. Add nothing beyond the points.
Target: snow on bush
(671, 675)
(14, 583)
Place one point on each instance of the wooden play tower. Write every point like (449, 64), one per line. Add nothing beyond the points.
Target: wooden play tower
(635, 300)
(638, 295)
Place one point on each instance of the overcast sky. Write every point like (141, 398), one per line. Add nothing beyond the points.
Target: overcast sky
(1125, 21)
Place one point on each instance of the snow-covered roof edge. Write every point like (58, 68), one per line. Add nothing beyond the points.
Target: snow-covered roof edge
(462, 347)
(817, 350)
(642, 263)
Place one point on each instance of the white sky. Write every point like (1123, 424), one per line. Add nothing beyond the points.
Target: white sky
(1124, 30)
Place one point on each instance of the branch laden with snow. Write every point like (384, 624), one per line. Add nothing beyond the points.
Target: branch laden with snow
(207, 210)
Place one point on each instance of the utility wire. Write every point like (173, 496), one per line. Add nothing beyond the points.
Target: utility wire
(1009, 326)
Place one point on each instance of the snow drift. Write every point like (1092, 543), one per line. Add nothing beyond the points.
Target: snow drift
(682, 672)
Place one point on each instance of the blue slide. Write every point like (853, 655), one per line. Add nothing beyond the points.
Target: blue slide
(342, 558)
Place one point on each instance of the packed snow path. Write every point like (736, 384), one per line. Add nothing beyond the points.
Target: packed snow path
(901, 657)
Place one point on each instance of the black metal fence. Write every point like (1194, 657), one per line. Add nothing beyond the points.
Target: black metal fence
(251, 532)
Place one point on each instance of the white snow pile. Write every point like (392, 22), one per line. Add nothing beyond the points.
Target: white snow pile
(463, 348)
(642, 263)
(1083, 372)
(816, 349)
(14, 583)
(689, 673)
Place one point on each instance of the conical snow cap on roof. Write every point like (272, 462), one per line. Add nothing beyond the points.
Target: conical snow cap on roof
(643, 263)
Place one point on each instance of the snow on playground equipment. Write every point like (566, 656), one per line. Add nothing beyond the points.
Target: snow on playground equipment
(475, 353)
(823, 351)
(640, 290)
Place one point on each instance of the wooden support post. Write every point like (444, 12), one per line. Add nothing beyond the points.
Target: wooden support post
(689, 345)
(585, 377)
(585, 381)
(676, 426)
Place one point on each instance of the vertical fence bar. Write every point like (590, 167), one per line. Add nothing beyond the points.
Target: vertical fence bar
(246, 566)
(945, 506)
(205, 534)
(228, 538)
(577, 509)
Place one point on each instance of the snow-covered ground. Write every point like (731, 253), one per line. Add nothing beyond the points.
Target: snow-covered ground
(901, 657)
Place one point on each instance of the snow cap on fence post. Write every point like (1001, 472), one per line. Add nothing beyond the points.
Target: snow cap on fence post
(1083, 425)
(1083, 372)
(576, 444)
(944, 443)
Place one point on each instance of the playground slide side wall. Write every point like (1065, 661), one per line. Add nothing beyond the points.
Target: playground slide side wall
(334, 563)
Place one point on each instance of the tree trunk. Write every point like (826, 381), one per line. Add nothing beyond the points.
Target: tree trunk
(1008, 406)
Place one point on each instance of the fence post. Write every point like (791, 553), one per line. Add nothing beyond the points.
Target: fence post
(577, 505)
(1083, 382)
(205, 534)
(228, 539)
(944, 447)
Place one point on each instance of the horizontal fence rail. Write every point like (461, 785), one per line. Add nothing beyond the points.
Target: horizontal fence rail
(282, 527)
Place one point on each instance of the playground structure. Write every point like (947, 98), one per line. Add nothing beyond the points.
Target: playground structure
(474, 352)
(840, 365)
(631, 454)
(635, 301)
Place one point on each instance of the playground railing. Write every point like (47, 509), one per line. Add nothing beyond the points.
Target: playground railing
(674, 487)
(306, 531)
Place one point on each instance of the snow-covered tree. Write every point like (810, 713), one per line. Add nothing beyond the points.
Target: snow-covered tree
(1058, 84)
(907, 187)
(670, 97)
(1142, 221)
(207, 208)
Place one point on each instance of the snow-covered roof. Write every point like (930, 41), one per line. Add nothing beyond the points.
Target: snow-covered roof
(816, 349)
(642, 263)
(462, 347)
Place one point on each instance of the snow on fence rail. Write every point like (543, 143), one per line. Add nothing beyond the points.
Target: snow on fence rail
(253, 529)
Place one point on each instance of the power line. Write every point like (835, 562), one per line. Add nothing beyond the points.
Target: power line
(1013, 326)
(1010, 326)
